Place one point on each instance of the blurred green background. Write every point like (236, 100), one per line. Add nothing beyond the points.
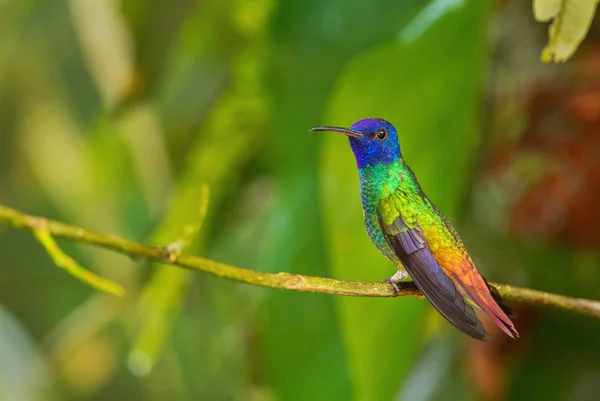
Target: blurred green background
(114, 114)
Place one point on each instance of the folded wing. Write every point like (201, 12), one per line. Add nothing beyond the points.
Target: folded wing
(412, 250)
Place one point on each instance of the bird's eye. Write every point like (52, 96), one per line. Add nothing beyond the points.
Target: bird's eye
(380, 134)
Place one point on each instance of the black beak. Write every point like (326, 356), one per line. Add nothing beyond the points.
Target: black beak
(345, 131)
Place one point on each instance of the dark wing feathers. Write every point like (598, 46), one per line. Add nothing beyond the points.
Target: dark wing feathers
(408, 242)
(412, 250)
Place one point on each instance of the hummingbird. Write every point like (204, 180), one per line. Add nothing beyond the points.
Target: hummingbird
(414, 235)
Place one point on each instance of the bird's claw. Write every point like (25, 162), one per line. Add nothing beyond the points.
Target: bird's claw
(400, 275)
(394, 285)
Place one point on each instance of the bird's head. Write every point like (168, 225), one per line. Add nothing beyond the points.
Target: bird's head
(373, 141)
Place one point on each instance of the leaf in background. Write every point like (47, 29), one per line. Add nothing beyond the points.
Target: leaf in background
(107, 45)
(217, 160)
(570, 25)
(300, 331)
(141, 131)
(428, 87)
(434, 368)
(71, 169)
(23, 374)
(227, 140)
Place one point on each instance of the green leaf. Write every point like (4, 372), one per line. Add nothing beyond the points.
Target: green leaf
(570, 25)
(304, 355)
(109, 60)
(428, 87)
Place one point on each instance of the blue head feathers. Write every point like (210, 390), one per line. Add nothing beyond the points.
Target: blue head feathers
(373, 141)
(378, 144)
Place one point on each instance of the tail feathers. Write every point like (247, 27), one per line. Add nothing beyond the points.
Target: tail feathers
(497, 311)
(500, 301)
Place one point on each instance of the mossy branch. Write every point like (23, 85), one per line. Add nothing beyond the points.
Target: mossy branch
(286, 281)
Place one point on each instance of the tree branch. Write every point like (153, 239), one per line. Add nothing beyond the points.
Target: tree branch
(287, 281)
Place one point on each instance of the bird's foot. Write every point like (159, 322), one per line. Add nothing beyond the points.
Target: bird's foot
(400, 275)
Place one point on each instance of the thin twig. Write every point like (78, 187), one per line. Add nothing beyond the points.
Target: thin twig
(67, 263)
(284, 281)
